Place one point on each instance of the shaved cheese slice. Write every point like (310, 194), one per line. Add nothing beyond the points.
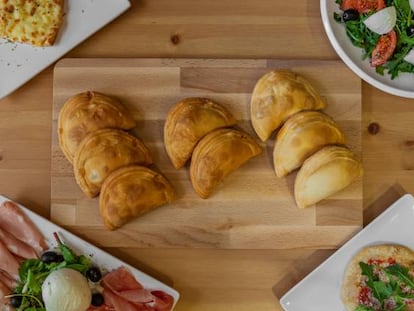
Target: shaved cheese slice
(409, 58)
(411, 5)
(383, 21)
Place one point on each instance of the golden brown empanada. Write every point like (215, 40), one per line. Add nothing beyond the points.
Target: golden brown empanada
(278, 95)
(131, 191)
(324, 173)
(217, 155)
(86, 112)
(103, 151)
(187, 122)
(302, 135)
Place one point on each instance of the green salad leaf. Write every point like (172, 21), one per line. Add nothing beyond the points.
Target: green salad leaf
(361, 37)
(33, 272)
(395, 283)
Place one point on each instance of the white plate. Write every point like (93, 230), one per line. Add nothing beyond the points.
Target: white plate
(99, 257)
(321, 288)
(402, 86)
(20, 62)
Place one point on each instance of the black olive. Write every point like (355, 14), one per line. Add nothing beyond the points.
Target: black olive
(16, 301)
(59, 258)
(350, 15)
(97, 299)
(49, 257)
(93, 274)
(410, 31)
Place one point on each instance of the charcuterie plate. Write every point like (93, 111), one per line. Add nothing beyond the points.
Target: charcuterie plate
(100, 258)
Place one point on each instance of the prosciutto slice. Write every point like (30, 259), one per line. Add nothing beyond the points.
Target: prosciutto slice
(15, 221)
(4, 291)
(163, 301)
(120, 279)
(7, 279)
(8, 262)
(16, 246)
(124, 293)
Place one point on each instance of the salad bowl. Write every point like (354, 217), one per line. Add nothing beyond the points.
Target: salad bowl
(353, 57)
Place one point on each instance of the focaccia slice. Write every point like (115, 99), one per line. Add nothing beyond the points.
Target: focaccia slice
(391, 265)
(33, 22)
(324, 173)
(131, 191)
(103, 151)
(187, 122)
(278, 95)
(86, 112)
(302, 135)
(218, 154)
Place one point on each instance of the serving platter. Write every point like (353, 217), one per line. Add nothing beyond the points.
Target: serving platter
(352, 56)
(252, 209)
(104, 260)
(20, 62)
(321, 288)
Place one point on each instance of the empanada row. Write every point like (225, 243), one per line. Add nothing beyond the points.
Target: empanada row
(108, 160)
(201, 129)
(187, 122)
(307, 139)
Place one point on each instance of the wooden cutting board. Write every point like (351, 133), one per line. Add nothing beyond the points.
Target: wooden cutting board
(252, 209)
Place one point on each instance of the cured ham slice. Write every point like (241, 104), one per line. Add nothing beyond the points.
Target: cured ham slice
(16, 246)
(120, 279)
(4, 291)
(7, 280)
(117, 302)
(15, 221)
(124, 293)
(8, 262)
(137, 295)
(163, 301)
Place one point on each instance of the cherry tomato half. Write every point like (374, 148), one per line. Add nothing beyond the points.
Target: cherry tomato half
(349, 4)
(365, 6)
(384, 49)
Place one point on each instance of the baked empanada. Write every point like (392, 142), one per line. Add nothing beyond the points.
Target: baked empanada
(278, 95)
(324, 173)
(302, 135)
(217, 155)
(103, 151)
(131, 191)
(86, 112)
(187, 122)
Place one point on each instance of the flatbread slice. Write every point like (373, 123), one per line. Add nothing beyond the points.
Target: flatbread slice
(29, 21)
(385, 261)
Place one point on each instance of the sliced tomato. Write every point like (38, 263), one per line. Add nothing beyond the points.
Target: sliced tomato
(365, 6)
(349, 4)
(384, 49)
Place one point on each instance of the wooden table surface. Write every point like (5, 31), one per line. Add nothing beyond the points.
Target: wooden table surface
(211, 279)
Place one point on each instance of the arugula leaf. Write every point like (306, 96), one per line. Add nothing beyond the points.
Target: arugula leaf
(368, 270)
(384, 290)
(402, 274)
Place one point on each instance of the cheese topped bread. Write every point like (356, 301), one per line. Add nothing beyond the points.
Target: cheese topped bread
(35, 22)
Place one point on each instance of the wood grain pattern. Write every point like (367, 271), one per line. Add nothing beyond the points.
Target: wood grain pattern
(252, 208)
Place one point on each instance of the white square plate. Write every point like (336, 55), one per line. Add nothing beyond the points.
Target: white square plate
(102, 259)
(20, 62)
(320, 290)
